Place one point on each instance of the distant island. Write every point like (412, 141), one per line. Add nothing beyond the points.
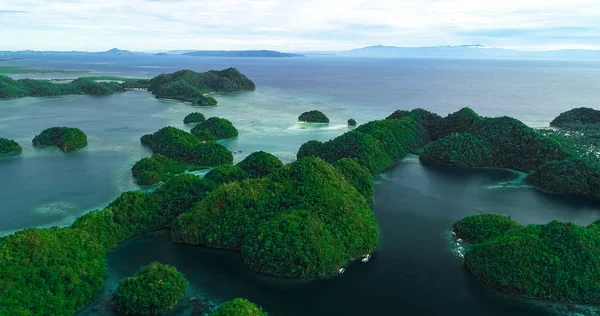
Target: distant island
(197, 53)
(9, 147)
(313, 116)
(183, 85)
(240, 53)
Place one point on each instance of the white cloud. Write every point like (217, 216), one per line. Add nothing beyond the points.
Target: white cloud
(295, 25)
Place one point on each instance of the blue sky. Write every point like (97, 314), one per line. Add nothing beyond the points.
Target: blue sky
(288, 25)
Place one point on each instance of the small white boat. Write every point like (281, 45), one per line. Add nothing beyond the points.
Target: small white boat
(366, 258)
(341, 270)
(459, 240)
(453, 233)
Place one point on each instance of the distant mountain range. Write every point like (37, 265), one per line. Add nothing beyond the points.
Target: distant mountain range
(199, 53)
(466, 51)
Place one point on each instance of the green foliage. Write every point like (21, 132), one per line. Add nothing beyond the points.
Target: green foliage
(483, 227)
(260, 164)
(357, 175)
(351, 122)
(185, 147)
(430, 121)
(195, 117)
(136, 212)
(313, 116)
(226, 173)
(457, 150)
(576, 118)
(238, 307)
(155, 289)
(10, 88)
(556, 261)
(9, 147)
(156, 169)
(304, 220)
(52, 271)
(214, 128)
(187, 85)
(65, 138)
(575, 176)
(376, 145)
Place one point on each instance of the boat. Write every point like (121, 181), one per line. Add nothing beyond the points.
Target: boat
(366, 258)
(341, 270)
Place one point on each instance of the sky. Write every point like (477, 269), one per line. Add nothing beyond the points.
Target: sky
(290, 25)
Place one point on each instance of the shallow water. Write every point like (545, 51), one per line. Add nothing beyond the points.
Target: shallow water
(416, 270)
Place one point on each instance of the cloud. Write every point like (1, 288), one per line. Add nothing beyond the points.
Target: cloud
(295, 25)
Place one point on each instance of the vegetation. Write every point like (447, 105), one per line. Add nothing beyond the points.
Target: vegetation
(187, 85)
(9, 147)
(376, 145)
(195, 117)
(577, 118)
(65, 138)
(457, 150)
(214, 128)
(430, 121)
(238, 307)
(155, 289)
(186, 148)
(226, 173)
(483, 227)
(303, 220)
(155, 169)
(313, 117)
(260, 164)
(557, 261)
(10, 88)
(357, 175)
(574, 176)
(351, 122)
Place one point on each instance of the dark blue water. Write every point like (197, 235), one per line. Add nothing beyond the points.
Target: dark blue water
(415, 270)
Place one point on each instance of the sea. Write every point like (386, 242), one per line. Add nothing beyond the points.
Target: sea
(418, 267)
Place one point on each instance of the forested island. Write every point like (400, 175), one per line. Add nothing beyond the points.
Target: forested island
(65, 138)
(313, 116)
(9, 147)
(183, 85)
(214, 128)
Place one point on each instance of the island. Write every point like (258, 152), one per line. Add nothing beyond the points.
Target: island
(351, 122)
(183, 85)
(214, 128)
(239, 53)
(156, 169)
(313, 117)
(239, 307)
(9, 147)
(556, 261)
(65, 138)
(578, 117)
(154, 290)
(256, 165)
(184, 147)
(195, 117)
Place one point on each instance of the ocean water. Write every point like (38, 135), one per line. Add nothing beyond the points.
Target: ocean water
(415, 271)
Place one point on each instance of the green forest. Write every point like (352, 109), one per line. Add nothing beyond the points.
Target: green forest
(313, 116)
(65, 138)
(9, 147)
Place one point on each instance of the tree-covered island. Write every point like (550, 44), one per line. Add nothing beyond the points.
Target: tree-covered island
(9, 147)
(313, 116)
(65, 138)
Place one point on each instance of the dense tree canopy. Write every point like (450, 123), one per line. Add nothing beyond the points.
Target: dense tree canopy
(556, 261)
(10, 88)
(226, 173)
(575, 176)
(457, 150)
(357, 175)
(65, 138)
(156, 169)
(195, 117)
(323, 221)
(576, 118)
(260, 164)
(238, 307)
(185, 147)
(9, 147)
(155, 289)
(214, 128)
(313, 116)
(188, 85)
(483, 227)
(351, 122)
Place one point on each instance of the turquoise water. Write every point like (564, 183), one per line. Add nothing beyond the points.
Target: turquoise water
(415, 271)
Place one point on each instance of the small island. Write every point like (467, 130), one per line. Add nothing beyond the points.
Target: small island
(578, 117)
(156, 169)
(184, 147)
(214, 128)
(534, 261)
(351, 122)
(238, 307)
(313, 117)
(65, 138)
(195, 117)
(154, 290)
(9, 147)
